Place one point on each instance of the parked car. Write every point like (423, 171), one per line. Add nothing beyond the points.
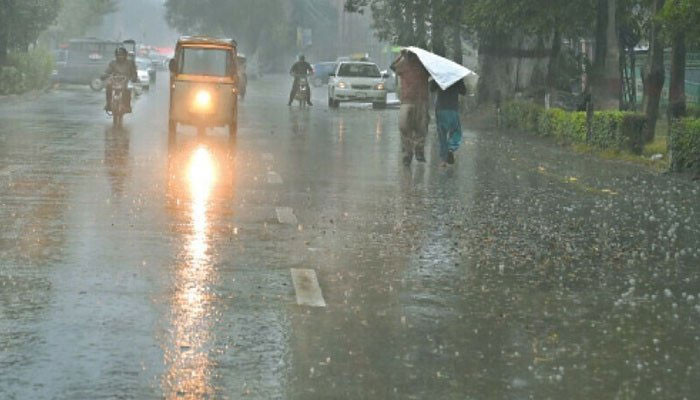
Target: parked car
(322, 72)
(359, 82)
(390, 80)
(86, 60)
(146, 72)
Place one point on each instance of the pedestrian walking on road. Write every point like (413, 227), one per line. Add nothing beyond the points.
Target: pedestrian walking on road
(413, 114)
(449, 128)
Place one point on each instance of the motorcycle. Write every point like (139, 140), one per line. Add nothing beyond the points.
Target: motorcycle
(120, 85)
(302, 94)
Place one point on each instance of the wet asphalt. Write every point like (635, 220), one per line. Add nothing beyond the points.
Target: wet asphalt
(135, 268)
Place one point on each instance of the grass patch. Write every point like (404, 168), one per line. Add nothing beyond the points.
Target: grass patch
(656, 147)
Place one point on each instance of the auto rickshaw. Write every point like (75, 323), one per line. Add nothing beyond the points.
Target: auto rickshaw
(203, 85)
(242, 76)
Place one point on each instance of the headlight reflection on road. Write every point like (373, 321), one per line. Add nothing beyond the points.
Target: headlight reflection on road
(201, 176)
(190, 366)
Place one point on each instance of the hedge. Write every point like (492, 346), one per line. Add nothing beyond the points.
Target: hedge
(684, 145)
(26, 71)
(610, 129)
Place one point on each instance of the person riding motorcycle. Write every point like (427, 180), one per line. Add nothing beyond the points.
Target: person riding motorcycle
(300, 69)
(124, 66)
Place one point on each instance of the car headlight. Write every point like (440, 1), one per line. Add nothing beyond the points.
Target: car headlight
(342, 85)
(379, 86)
(202, 100)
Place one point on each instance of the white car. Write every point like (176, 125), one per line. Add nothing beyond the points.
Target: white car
(359, 82)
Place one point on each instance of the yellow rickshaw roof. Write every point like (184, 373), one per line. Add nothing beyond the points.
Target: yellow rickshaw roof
(206, 40)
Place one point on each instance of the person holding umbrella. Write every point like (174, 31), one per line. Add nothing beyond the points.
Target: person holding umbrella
(448, 79)
(447, 117)
(413, 114)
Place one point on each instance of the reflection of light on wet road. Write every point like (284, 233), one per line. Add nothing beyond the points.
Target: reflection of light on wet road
(341, 130)
(201, 176)
(190, 366)
(378, 128)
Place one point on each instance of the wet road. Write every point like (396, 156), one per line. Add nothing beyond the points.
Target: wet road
(135, 269)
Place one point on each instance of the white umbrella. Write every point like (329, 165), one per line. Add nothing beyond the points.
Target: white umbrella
(445, 72)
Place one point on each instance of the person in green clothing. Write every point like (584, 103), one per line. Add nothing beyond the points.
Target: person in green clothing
(449, 127)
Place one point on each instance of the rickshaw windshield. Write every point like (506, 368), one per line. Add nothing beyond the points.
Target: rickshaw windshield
(203, 61)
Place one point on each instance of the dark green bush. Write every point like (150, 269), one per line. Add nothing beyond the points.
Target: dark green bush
(684, 145)
(610, 129)
(26, 71)
(522, 116)
(693, 110)
(11, 81)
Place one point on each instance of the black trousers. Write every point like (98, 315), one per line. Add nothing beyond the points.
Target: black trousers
(295, 88)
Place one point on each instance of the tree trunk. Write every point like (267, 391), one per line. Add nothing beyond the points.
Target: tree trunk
(606, 80)
(654, 76)
(553, 62)
(3, 51)
(421, 34)
(457, 55)
(437, 37)
(676, 95)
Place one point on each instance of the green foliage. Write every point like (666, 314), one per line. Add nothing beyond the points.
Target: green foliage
(618, 130)
(26, 71)
(685, 145)
(610, 129)
(569, 126)
(78, 16)
(11, 81)
(693, 110)
(267, 26)
(21, 23)
(522, 116)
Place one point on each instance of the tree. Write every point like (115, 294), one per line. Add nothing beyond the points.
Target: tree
(681, 21)
(78, 16)
(517, 40)
(654, 74)
(265, 26)
(22, 21)
(606, 82)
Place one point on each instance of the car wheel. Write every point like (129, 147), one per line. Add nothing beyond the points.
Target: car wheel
(97, 84)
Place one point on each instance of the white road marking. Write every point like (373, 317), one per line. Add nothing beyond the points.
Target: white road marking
(306, 286)
(285, 215)
(274, 178)
(268, 157)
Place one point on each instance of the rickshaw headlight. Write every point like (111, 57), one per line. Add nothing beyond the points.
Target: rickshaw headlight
(202, 100)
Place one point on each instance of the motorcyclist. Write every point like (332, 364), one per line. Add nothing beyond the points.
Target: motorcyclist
(300, 69)
(124, 66)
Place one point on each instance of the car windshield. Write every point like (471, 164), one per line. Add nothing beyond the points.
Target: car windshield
(359, 70)
(201, 61)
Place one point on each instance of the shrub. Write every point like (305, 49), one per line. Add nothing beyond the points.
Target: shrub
(693, 110)
(26, 71)
(569, 126)
(610, 129)
(522, 116)
(684, 145)
(11, 81)
(632, 131)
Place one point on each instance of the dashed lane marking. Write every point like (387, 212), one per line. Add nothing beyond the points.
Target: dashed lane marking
(285, 215)
(274, 178)
(306, 286)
